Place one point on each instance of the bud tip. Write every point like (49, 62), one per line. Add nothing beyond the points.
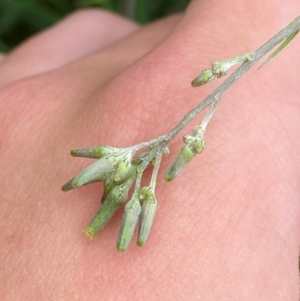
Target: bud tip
(67, 186)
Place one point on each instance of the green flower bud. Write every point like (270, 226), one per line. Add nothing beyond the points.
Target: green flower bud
(198, 145)
(144, 193)
(96, 171)
(96, 152)
(67, 186)
(204, 77)
(185, 156)
(109, 183)
(149, 206)
(116, 197)
(122, 172)
(129, 220)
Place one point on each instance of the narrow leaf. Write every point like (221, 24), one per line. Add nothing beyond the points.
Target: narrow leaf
(282, 45)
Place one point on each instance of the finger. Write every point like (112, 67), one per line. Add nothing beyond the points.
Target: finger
(75, 82)
(105, 64)
(78, 35)
(92, 71)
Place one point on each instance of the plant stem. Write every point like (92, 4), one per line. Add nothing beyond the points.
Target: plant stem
(236, 75)
(155, 171)
(210, 113)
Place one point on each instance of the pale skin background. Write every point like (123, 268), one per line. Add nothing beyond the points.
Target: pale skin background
(227, 229)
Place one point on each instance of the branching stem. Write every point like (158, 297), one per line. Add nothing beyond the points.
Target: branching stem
(236, 75)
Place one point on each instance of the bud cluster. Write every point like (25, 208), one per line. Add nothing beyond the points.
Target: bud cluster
(117, 169)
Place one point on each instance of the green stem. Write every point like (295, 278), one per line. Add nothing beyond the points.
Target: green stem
(155, 171)
(210, 113)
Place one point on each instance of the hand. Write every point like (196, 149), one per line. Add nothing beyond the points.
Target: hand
(227, 228)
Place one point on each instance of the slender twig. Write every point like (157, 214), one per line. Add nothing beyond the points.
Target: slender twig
(236, 75)
(155, 171)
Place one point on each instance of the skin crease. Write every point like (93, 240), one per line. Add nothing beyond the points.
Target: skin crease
(226, 229)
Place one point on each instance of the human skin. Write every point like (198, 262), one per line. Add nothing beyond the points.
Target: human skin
(227, 228)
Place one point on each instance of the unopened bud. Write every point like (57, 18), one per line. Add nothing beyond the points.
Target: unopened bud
(198, 145)
(67, 186)
(185, 156)
(204, 77)
(96, 152)
(130, 217)
(96, 171)
(109, 183)
(122, 172)
(144, 193)
(116, 197)
(149, 206)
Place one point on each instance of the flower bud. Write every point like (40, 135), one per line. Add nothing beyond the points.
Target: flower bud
(198, 145)
(122, 172)
(204, 77)
(116, 197)
(129, 220)
(96, 152)
(67, 186)
(109, 183)
(144, 193)
(149, 206)
(185, 156)
(96, 171)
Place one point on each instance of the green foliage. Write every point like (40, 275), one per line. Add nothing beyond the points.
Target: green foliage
(21, 18)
